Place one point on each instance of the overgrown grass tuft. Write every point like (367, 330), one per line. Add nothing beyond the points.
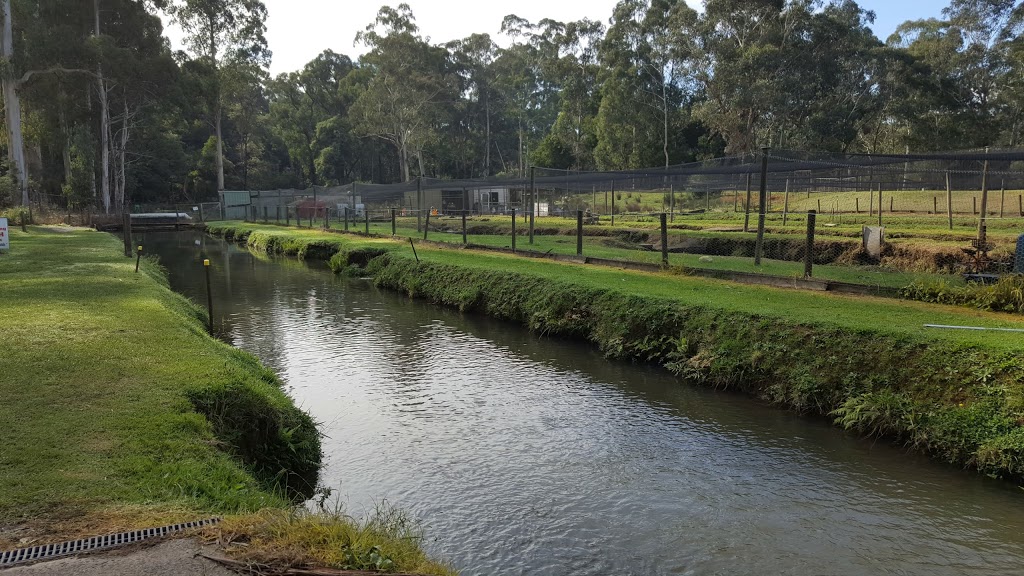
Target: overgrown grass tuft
(1005, 295)
(387, 541)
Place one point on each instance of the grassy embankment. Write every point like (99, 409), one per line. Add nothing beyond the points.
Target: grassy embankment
(120, 412)
(866, 362)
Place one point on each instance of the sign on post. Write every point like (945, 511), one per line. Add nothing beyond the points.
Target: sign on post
(5, 235)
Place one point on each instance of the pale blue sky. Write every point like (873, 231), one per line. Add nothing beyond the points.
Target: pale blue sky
(298, 30)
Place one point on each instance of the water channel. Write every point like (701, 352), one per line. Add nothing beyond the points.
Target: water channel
(526, 455)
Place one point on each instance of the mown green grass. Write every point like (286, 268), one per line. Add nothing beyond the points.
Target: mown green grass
(96, 363)
(894, 317)
(102, 371)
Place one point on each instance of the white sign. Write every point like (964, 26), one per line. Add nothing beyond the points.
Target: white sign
(5, 235)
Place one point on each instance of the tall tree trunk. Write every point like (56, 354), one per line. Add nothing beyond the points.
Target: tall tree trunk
(12, 104)
(121, 156)
(104, 123)
(65, 131)
(487, 139)
(220, 147)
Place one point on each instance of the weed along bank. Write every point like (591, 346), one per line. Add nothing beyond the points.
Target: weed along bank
(603, 439)
(868, 364)
(121, 413)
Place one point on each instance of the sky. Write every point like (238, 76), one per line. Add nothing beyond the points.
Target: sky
(298, 30)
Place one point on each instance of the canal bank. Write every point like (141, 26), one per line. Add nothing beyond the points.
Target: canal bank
(867, 364)
(120, 412)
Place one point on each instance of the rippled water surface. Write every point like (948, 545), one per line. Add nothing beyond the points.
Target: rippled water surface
(524, 455)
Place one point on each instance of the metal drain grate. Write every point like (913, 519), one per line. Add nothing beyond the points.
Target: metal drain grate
(49, 551)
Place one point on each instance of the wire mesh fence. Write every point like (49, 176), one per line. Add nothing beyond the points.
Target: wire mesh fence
(912, 214)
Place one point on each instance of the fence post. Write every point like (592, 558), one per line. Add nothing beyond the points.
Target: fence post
(287, 216)
(366, 218)
(464, 241)
(579, 232)
(327, 218)
(613, 203)
(513, 230)
(935, 204)
(762, 204)
(128, 234)
(1002, 198)
(419, 203)
(426, 227)
(949, 201)
(879, 204)
(201, 217)
(346, 218)
(746, 209)
(394, 223)
(856, 205)
(533, 199)
(891, 210)
(1020, 204)
(785, 205)
(664, 241)
(974, 205)
(264, 214)
(809, 247)
(672, 202)
(984, 199)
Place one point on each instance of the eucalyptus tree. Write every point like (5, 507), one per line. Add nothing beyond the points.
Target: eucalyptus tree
(646, 59)
(218, 31)
(412, 81)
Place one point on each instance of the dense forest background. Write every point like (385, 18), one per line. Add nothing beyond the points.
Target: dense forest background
(100, 111)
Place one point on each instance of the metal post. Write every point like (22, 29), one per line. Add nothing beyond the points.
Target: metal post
(314, 208)
(809, 248)
(419, 203)
(533, 199)
(949, 201)
(1002, 198)
(138, 258)
(464, 241)
(426, 227)
(366, 218)
(394, 223)
(672, 202)
(984, 200)
(785, 205)
(613, 203)
(664, 241)
(513, 230)
(879, 204)
(746, 209)
(762, 204)
(209, 294)
(579, 232)
(707, 199)
(346, 218)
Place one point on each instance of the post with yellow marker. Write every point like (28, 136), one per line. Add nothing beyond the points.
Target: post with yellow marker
(209, 294)
(138, 257)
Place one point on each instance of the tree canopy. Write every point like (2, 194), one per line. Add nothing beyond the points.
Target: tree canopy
(100, 111)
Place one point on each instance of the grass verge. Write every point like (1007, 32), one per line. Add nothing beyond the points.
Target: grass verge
(868, 363)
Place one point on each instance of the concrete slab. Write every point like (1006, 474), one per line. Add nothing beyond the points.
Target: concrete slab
(168, 558)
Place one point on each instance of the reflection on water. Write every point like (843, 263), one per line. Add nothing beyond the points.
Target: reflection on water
(531, 456)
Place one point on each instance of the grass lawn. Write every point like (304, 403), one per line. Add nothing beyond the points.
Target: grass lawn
(95, 362)
(897, 317)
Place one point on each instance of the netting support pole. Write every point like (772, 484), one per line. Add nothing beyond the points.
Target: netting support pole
(672, 202)
(809, 247)
(419, 204)
(366, 219)
(314, 208)
(762, 203)
(879, 204)
(785, 205)
(1002, 198)
(746, 209)
(426, 227)
(579, 232)
(346, 218)
(984, 200)
(613, 202)
(394, 223)
(464, 241)
(513, 230)
(664, 241)
(533, 198)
